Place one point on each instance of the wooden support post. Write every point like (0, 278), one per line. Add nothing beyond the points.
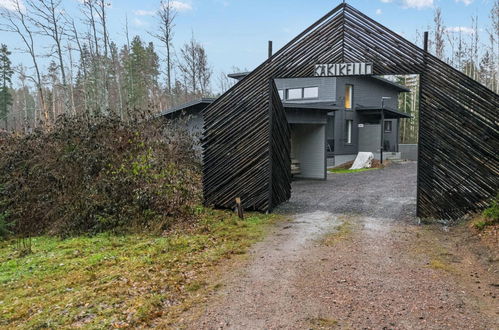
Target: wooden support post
(239, 208)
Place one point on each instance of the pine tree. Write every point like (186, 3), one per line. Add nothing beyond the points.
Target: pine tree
(6, 76)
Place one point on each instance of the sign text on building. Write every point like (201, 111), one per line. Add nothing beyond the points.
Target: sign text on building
(343, 69)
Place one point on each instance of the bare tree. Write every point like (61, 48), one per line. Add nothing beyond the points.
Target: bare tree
(204, 70)
(89, 12)
(194, 67)
(224, 82)
(15, 21)
(438, 33)
(493, 34)
(47, 15)
(101, 12)
(166, 17)
(189, 65)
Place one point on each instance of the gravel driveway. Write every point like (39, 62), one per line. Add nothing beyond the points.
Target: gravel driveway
(352, 256)
(389, 193)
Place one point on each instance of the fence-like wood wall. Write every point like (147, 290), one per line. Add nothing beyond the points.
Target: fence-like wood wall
(246, 147)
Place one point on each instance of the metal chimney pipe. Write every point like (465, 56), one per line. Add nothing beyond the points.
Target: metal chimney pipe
(270, 48)
(425, 45)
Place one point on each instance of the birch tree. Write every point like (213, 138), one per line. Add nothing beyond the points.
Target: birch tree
(47, 16)
(194, 68)
(166, 18)
(17, 22)
(6, 73)
(438, 34)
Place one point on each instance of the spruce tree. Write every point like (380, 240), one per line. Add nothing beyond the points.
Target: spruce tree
(6, 73)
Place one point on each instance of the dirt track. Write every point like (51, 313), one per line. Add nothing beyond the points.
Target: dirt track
(353, 256)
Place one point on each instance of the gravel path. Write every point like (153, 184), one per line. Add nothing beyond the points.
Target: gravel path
(353, 257)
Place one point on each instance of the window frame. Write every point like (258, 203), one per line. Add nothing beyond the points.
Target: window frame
(281, 93)
(310, 87)
(348, 87)
(390, 126)
(295, 98)
(349, 131)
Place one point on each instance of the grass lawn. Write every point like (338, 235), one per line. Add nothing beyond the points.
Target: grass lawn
(342, 170)
(119, 281)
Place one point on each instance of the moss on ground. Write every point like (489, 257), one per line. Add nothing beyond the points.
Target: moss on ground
(340, 233)
(341, 170)
(119, 281)
(322, 323)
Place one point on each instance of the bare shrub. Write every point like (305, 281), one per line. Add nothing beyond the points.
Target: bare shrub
(88, 175)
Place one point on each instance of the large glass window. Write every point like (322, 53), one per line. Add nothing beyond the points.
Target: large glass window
(295, 93)
(310, 92)
(348, 96)
(348, 131)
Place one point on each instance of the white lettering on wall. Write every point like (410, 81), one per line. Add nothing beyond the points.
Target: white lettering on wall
(343, 69)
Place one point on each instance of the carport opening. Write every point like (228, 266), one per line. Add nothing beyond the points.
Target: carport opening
(307, 151)
(332, 119)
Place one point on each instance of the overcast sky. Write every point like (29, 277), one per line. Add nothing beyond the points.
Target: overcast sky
(235, 32)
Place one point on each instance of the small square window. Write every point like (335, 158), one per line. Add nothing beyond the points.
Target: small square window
(295, 93)
(388, 126)
(311, 92)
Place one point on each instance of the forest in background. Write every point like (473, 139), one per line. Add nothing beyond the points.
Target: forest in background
(90, 74)
(462, 49)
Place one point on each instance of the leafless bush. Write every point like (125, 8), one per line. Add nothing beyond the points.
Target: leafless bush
(88, 175)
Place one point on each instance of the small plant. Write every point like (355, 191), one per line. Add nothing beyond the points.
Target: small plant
(489, 217)
(23, 246)
(492, 212)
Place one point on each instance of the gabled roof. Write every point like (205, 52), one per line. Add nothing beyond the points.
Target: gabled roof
(201, 103)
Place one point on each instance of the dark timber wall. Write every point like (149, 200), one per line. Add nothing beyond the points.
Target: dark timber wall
(458, 163)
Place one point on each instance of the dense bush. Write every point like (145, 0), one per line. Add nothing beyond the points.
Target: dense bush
(98, 174)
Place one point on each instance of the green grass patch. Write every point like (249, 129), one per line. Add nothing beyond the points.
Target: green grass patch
(108, 281)
(488, 218)
(342, 170)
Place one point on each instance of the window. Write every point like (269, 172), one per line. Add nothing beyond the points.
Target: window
(295, 94)
(348, 96)
(388, 126)
(302, 93)
(311, 92)
(348, 131)
(281, 94)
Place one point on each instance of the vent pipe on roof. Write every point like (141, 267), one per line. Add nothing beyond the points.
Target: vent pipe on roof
(425, 45)
(270, 48)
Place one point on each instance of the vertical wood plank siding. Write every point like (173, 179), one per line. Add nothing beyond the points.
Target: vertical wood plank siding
(246, 142)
